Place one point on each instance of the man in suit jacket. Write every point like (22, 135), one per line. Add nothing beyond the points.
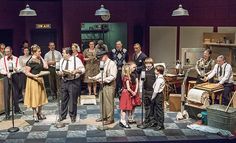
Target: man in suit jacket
(139, 57)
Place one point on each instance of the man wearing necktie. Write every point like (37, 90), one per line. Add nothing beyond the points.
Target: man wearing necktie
(52, 57)
(139, 57)
(71, 69)
(224, 74)
(9, 78)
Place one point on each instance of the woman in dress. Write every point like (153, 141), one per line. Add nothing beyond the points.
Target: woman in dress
(125, 99)
(91, 67)
(35, 92)
(204, 66)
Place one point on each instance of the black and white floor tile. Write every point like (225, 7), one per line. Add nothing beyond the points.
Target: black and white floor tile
(45, 131)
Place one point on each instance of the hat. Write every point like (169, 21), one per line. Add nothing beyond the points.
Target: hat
(101, 53)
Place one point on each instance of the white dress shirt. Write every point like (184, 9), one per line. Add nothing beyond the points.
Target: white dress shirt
(227, 73)
(73, 64)
(48, 56)
(109, 73)
(159, 84)
(4, 64)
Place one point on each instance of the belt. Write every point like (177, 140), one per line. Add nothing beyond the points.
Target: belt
(109, 84)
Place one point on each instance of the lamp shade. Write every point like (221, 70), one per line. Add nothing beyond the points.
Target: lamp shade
(180, 12)
(27, 12)
(102, 11)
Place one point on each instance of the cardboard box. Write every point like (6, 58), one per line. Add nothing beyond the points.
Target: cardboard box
(175, 102)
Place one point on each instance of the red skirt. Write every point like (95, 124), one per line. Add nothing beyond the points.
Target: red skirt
(125, 100)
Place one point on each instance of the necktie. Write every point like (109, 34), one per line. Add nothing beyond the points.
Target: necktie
(53, 56)
(67, 65)
(220, 71)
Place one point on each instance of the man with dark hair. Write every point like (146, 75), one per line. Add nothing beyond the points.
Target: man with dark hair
(139, 57)
(71, 69)
(120, 56)
(11, 80)
(224, 73)
(51, 58)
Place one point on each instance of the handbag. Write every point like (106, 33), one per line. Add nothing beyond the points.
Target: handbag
(136, 100)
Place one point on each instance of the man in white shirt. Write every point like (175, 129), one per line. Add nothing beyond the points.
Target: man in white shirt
(223, 71)
(107, 94)
(51, 58)
(71, 68)
(10, 79)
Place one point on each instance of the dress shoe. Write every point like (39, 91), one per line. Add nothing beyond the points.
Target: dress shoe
(131, 121)
(73, 119)
(100, 120)
(35, 118)
(61, 119)
(123, 125)
(7, 117)
(157, 128)
(108, 122)
(19, 112)
(143, 126)
(41, 116)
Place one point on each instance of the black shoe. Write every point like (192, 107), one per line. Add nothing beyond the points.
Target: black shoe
(124, 126)
(41, 116)
(143, 126)
(73, 119)
(19, 112)
(61, 119)
(7, 117)
(157, 128)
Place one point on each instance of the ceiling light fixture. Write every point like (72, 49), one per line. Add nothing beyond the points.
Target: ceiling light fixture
(27, 12)
(180, 12)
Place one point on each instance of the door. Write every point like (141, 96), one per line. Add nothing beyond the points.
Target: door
(42, 37)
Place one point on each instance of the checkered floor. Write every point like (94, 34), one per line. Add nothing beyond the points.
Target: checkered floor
(85, 128)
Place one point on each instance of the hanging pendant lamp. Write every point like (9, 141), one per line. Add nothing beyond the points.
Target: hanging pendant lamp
(102, 11)
(180, 12)
(27, 12)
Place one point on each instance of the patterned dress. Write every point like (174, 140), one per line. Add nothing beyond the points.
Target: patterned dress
(91, 66)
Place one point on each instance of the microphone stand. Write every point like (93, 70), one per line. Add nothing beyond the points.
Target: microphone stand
(59, 123)
(13, 128)
(141, 91)
(102, 128)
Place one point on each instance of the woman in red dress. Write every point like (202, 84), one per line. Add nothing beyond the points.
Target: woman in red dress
(126, 95)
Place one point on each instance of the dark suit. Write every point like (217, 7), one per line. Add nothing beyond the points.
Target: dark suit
(139, 61)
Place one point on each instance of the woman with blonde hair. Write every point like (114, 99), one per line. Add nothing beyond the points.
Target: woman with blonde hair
(35, 92)
(77, 52)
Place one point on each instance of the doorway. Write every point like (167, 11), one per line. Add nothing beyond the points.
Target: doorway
(42, 37)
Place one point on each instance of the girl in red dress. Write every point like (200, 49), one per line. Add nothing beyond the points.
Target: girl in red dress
(126, 95)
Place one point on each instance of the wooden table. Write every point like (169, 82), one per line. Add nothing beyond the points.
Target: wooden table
(1, 96)
(211, 88)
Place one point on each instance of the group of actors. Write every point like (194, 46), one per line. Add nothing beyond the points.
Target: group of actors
(120, 76)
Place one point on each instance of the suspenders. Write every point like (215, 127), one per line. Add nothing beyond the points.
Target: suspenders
(218, 68)
(6, 63)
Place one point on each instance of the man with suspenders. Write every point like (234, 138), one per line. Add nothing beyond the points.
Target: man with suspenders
(10, 77)
(224, 74)
(71, 69)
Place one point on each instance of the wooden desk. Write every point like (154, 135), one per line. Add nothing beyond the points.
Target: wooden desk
(170, 87)
(212, 89)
